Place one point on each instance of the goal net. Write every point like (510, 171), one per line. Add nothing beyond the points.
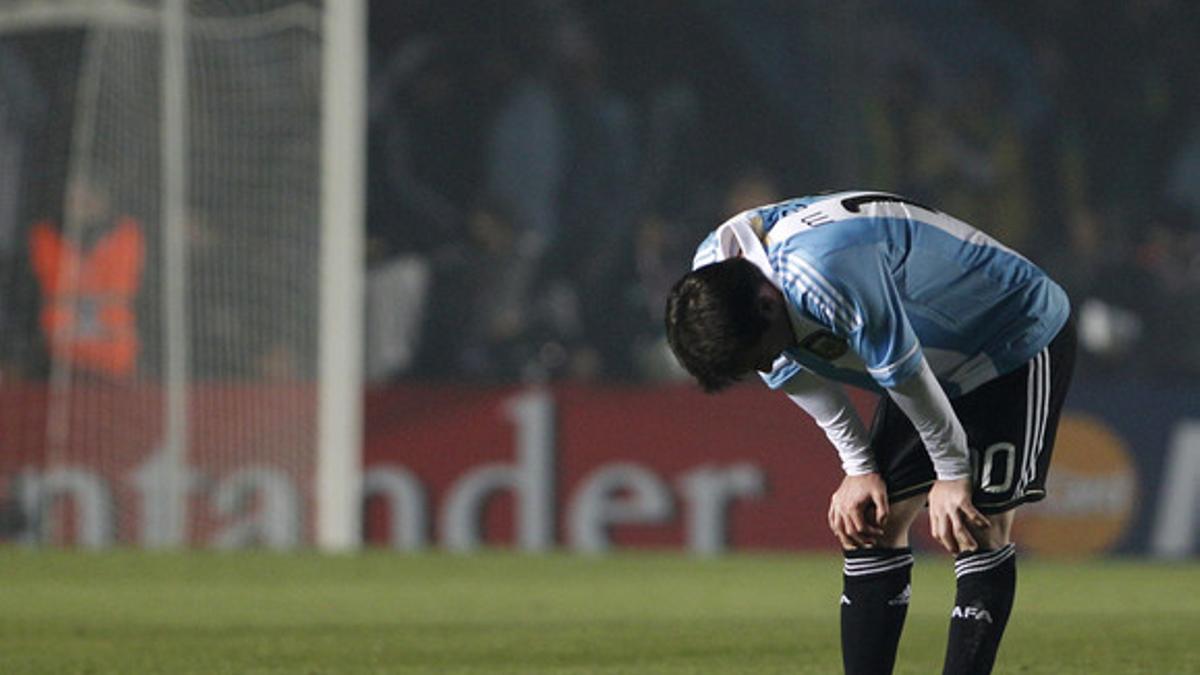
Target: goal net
(178, 243)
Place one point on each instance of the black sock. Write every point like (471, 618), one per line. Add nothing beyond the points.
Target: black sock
(987, 582)
(875, 592)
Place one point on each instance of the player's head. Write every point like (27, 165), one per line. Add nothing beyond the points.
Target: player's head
(725, 320)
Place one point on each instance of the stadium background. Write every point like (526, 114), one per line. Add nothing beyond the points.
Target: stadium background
(537, 174)
(550, 167)
(212, 210)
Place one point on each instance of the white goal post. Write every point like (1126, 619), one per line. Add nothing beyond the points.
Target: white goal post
(206, 439)
(339, 449)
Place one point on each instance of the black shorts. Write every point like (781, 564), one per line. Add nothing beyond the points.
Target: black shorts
(1010, 423)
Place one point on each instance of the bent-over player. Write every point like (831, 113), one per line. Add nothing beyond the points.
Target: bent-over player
(972, 346)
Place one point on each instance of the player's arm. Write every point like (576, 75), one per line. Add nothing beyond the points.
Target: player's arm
(859, 507)
(829, 406)
(950, 508)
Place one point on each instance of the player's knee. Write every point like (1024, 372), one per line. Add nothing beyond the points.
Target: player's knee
(997, 534)
(902, 515)
(896, 539)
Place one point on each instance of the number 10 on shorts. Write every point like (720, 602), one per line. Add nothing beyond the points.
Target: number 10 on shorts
(995, 467)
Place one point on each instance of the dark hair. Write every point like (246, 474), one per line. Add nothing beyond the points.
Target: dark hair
(713, 319)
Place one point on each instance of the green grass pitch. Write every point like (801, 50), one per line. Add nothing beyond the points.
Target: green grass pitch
(132, 613)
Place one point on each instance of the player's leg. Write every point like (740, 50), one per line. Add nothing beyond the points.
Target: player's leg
(1011, 424)
(877, 580)
(875, 592)
(986, 584)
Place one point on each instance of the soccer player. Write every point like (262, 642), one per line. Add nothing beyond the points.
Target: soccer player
(969, 343)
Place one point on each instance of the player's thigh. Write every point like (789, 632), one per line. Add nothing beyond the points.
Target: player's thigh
(901, 516)
(899, 453)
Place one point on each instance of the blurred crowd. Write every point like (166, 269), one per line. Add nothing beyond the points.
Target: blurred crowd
(540, 171)
(544, 202)
(548, 166)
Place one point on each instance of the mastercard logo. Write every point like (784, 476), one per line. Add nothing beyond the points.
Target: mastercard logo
(1090, 493)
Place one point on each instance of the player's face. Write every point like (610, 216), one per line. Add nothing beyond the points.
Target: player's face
(778, 337)
(762, 356)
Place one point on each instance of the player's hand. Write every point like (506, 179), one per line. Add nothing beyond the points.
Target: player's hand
(858, 510)
(951, 511)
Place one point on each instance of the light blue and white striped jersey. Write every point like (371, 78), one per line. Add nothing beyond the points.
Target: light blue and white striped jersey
(873, 281)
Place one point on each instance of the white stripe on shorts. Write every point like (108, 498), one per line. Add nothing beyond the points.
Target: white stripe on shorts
(1037, 411)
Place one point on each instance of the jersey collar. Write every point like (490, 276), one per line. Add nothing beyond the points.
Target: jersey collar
(738, 237)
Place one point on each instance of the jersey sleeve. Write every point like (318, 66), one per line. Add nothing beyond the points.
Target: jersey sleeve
(852, 292)
(926, 405)
(782, 370)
